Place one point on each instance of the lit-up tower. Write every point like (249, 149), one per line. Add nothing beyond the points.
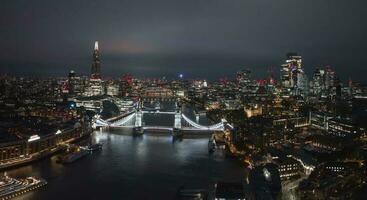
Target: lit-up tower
(318, 82)
(96, 65)
(96, 86)
(325, 82)
(293, 77)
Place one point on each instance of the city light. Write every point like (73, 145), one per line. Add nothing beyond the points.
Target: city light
(267, 174)
(58, 132)
(296, 132)
(34, 138)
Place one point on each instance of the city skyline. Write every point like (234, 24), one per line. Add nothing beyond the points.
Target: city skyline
(192, 37)
(179, 100)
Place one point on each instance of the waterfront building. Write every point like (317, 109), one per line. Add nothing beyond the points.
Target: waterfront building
(125, 104)
(12, 150)
(91, 102)
(32, 147)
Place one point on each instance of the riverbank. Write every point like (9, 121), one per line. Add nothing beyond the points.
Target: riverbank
(126, 163)
(46, 153)
(11, 187)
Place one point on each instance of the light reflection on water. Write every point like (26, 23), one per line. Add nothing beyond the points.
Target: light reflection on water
(132, 167)
(147, 167)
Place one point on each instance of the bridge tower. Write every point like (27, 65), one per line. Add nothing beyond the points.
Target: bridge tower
(138, 119)
(138, 129)
(178, 117)
(177, 126)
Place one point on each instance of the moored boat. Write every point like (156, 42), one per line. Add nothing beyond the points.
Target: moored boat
(11, 187)
(73, 156)
(95, 147)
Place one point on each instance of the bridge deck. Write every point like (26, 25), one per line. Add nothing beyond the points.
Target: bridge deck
(122, 122)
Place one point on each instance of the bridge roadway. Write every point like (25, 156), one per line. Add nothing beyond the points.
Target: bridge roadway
(163, 128)
(123, 121)
(158, 112)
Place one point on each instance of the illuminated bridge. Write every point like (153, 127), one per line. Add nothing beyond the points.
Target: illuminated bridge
(134, 120)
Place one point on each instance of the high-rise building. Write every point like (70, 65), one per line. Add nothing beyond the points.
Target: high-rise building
(243, 77)
(244, 81)
(95, 86)
(302, 84)
(293, 78)
(325, 82)
(76, 84)
(96, 65)
(331, 80)
(318, 82)
(126, 85)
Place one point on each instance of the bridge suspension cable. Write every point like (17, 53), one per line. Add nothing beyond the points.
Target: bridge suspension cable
(101, 122)
(124, 120)
(218, 126)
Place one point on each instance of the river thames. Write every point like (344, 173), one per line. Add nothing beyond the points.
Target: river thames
(148, 167)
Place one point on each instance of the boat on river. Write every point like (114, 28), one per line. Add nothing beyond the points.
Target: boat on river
(11, 187)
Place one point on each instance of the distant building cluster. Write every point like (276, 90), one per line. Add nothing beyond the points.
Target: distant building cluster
(311, 130)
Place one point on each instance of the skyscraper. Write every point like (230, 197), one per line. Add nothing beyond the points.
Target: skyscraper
(318, 82)
(96, 65)
(290, 70)
(325, 82)
(243, 77)
(293, 78)
(96, 86)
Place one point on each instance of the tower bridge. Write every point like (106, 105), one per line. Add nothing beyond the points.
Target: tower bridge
(135, 118)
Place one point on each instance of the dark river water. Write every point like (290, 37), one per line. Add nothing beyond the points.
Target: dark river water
(147, 167)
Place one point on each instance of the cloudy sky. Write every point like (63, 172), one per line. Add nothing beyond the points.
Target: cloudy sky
(199, 38)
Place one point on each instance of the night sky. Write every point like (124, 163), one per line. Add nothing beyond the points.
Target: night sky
(199, 38)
